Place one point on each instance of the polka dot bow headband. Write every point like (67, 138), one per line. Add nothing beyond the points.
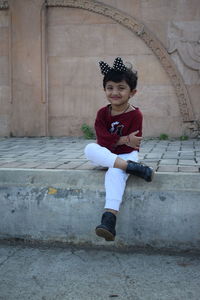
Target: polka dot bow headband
(118, 65)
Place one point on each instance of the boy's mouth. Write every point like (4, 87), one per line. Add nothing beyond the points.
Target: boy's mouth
(115, 98)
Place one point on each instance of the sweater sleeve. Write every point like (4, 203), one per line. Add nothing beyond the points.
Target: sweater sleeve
(139, 121)
(104, 137)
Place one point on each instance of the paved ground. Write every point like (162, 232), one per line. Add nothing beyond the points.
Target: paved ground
(72, 274)
(69, 274)
(67, 153)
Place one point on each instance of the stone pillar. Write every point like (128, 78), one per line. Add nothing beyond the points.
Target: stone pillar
(27, 74)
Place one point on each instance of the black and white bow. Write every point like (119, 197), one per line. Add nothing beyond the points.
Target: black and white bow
(118, 65)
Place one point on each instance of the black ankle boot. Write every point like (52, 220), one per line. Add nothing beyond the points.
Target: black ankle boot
(140, 170)
(107, 227)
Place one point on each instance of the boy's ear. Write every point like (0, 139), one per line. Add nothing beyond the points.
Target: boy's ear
(133, 92)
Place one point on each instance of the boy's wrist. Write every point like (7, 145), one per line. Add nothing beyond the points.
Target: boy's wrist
(123, 140)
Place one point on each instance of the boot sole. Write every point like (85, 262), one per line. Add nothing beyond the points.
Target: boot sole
(107, 235)
(152, 176)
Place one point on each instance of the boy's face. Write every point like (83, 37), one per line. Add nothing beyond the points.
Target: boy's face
(118, 93)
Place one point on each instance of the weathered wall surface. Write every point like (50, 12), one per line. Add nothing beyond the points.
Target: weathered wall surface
(50, 83)
(176, 24)
(5, 91)
(77, 40)
(28, 109)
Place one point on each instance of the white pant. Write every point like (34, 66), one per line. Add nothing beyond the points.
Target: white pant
(115, 179)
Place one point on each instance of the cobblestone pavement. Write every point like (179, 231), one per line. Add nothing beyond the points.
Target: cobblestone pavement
(68, 153)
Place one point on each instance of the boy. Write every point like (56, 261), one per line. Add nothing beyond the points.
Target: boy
(119, 133)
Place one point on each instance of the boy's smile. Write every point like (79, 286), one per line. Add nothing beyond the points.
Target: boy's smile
(118, 94)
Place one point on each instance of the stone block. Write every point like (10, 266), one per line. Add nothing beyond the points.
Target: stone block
(4, 74)
(4, 125)
(168, 161)
(30, 165)
(158, 10)
(167, 168)
(74, 16)
(87, 166)
(194, 92)
(187, 162)
(132, 8)
(5, 101)
(162, 214)
(71, 165)
(186, 157)
(4, 41)
(189, 169)
(154, 155)
(170, 154)
(4, 18)
(13, 164)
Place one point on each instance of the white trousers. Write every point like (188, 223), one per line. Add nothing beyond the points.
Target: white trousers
(115, 179)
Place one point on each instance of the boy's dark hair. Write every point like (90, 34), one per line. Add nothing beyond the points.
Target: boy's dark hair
(128, 76)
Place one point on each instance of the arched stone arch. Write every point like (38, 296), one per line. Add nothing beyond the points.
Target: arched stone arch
(150, 40)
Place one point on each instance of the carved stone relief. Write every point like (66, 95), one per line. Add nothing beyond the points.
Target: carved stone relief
(184, 41)
(3, 4)
(150, 40)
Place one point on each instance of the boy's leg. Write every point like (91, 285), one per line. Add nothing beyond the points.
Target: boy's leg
(100, 156)
(115, 183)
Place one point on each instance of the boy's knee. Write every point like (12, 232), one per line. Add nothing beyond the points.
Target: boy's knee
(89, 148)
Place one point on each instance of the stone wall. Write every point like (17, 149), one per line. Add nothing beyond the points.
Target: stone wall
(50, 53)
(77, 40)
(5, 91)
(176, 24)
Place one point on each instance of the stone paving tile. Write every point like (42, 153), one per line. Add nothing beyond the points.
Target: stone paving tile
(48, 165)
(68, 153)
(11, 165)
(71, 165)
(187, 162)
(168, 168)
(186, 157)
(189, 169)
(172, 155)
(154, 155)
(173, 148)
(168, 161)
(29, 165)
(87, 166)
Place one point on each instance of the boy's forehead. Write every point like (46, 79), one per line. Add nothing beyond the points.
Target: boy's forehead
(116, 83)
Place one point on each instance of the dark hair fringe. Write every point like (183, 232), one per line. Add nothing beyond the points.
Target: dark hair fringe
(129, 76)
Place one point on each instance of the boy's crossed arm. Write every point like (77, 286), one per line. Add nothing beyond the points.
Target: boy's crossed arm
(130, 140)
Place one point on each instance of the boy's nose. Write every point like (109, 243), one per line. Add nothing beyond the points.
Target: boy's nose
(115, 92)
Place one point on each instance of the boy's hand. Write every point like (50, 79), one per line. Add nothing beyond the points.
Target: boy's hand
(134, 141)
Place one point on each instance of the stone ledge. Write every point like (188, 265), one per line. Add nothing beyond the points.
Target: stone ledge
(65, 206)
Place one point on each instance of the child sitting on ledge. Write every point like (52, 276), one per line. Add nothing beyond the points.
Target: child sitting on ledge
(119, 133)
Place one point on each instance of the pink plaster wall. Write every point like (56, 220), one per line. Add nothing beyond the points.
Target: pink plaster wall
(50, 82)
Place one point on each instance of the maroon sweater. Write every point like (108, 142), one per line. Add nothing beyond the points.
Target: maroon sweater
(109, 128)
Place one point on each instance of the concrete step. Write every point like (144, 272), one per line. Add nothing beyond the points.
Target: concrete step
(65, 206)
